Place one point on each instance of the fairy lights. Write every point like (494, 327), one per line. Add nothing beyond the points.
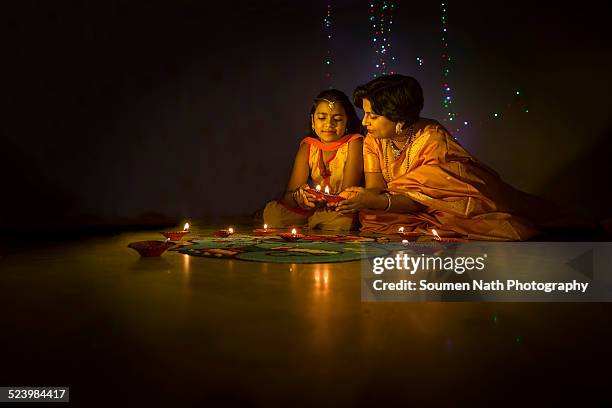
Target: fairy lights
(327, 24)
(381, 20)
(447, 98)
(449, 114)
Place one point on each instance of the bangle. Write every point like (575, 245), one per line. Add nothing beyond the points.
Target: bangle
(388, 207)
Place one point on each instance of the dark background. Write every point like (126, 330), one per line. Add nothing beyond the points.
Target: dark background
(116, 112)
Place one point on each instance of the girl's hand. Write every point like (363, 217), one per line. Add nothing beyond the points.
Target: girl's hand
(305, 199)
(359, 199)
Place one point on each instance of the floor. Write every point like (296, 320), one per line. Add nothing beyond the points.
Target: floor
(92, 315)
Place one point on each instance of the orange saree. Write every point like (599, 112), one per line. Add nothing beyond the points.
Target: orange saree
(461, 195)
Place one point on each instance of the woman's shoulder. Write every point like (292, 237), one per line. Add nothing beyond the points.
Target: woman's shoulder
(432, 130)
(371, 143)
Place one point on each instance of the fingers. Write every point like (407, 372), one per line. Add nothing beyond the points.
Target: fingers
(307, 202)
(303, 200)
(347, 211)
(348, 207)
(343, 204)
(310, 196)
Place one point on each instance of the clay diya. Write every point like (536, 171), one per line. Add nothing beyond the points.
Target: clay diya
(448, 237)
(291, 236)
(265, 230)
(326, 196)
(176, 235)
(409, 235)
(150, 248)
(224, 233)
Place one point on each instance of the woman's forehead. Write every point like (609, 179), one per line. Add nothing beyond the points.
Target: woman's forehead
(334, 109)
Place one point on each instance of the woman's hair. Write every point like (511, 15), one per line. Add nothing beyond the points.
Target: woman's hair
(353, 124)
(397, 97)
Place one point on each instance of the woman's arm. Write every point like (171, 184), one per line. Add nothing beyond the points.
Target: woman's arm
(373, 197)
(353, 169)
(377, 199)
(375, 180)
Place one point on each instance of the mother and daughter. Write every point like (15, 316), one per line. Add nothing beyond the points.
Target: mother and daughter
(416, 175)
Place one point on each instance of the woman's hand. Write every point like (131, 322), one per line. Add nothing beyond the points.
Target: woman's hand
(359, 198)
(304, 199)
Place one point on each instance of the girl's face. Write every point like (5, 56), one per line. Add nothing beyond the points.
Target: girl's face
(329, 123)
(378, 126)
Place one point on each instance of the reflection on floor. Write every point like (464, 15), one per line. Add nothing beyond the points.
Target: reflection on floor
(93, 315)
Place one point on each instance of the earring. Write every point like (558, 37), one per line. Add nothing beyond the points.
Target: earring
(398, 128)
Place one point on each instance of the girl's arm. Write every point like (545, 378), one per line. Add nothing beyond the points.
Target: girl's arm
(299, 177)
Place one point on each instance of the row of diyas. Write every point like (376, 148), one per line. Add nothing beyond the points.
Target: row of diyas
(178, 235)
(294, 235)
(152, 248)
(287, 236)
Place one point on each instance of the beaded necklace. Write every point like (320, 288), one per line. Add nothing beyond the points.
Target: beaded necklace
(397, 152)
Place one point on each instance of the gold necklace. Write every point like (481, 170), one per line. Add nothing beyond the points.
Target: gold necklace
(397, 152)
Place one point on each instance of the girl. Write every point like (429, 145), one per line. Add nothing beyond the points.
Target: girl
(332, 156)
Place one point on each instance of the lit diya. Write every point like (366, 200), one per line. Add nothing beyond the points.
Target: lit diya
(326, 196)
(150, 248)
(224, 233)
(449, 237)
(292, 236)
(408, 235)
(176, 235)
(265, 230)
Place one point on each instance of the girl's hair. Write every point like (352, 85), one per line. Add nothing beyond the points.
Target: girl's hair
(353, 124)
(397, 97)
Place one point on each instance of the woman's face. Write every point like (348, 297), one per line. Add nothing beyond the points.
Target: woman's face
(378, 126)
(329, 122)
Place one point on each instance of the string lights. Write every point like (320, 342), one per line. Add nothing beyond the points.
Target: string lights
(447, 98)
(449, 114)
(381, 22)
(327, 24)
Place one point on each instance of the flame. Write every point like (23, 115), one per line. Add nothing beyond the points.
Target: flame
(186, 227)
(318, 188)
(231, 230)
(293, 232)
(401, 229)
(265, 226)
(326, 189)
(435, 233)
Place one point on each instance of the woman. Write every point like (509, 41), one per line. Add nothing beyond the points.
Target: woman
(420, 178)
(331, 156)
